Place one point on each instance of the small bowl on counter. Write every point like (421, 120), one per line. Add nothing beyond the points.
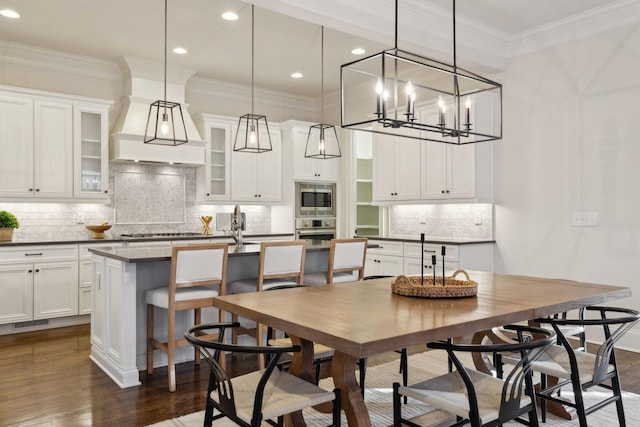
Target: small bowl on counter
(98, 230)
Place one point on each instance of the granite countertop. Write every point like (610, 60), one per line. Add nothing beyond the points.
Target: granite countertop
(435, 240)
(163, 253)
(81, 238)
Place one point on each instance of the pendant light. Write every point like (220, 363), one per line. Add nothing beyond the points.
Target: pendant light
(322, 141)
(165, 123)
(417, 97)
(248, 133)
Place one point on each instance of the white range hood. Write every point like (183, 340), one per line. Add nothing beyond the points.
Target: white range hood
(145, 84)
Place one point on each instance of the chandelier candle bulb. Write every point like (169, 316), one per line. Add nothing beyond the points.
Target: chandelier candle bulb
(467, 113)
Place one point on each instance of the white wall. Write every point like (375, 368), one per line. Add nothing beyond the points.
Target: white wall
(571, 143)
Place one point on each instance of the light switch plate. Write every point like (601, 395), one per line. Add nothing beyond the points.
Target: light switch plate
(585, 219)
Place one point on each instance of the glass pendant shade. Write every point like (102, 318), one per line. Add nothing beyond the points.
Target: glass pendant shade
(322, 142)
(252, 134)
(400, 93)
(165, 123)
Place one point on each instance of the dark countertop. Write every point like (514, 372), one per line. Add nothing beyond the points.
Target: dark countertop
(163, 253)
(434, 240)
(82, 238)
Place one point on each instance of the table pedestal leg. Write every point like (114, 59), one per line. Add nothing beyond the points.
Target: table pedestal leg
(343, 370)
(301, 366)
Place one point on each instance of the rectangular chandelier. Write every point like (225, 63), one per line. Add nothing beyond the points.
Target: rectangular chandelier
(396, 92)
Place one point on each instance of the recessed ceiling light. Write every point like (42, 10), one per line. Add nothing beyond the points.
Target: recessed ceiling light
(358, 51)
(296, 75)
(230, 16)
(8, 13)
(180, 50)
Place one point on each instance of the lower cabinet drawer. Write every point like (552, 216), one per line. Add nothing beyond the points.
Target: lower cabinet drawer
(39, 253)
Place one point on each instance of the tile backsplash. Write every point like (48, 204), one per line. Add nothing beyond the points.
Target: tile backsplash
(56, 219)
(449, 221)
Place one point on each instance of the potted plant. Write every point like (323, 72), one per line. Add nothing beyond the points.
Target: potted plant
(8, 222)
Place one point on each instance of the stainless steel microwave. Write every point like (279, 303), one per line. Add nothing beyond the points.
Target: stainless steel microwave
(315, 199)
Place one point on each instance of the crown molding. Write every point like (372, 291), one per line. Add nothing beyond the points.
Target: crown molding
(609, 17)
(36, 57)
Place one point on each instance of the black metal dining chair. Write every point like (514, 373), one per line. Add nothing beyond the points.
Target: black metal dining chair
(261, 396)
(477, 398)
(583, 370)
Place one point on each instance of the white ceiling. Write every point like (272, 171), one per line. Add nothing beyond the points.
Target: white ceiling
(221, 50)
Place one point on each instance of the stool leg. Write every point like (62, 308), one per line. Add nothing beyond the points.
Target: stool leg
(150, 309)
(197, 320)
(171, 350)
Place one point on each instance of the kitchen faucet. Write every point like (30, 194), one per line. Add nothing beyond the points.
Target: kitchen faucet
(237, 225)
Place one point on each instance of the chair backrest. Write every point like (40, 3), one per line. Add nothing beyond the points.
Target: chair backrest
(219, 378)
(530, 346)
(347, 255)
(281, 259)
(615, 321)
(199, 265)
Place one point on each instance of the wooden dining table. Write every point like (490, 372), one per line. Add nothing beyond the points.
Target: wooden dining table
(361, 319)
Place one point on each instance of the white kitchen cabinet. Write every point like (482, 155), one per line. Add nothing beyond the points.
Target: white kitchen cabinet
(304, 168)
(213, 179)
(257, 177)
(85, 274)
(16, 145)
(36, 161)
(54, 146)
(448, 171)
(386, 259)
(38, 282)
(396, 168)
(16, 288)
(91, 150)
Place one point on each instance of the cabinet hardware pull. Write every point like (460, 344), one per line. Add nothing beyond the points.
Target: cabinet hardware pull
(38, 254)
(30, 271)
(432, 251)
(37, 270)
(37, 189)
(31, 189)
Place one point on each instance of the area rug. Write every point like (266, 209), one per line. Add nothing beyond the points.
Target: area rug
(378, 398)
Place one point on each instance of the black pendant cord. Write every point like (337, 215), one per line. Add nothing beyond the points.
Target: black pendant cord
(395, 43)
(321, 80)
(165, 56)
(252, 53)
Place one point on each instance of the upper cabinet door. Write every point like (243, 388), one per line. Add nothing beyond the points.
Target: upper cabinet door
(310, 169)
(91, 151)
(257, 177)
(396, 168)
(16, 145)
(53, 145)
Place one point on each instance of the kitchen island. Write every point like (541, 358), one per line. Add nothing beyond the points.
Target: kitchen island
(122, 275)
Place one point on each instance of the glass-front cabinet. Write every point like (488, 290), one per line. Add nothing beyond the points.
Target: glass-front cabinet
(367, 215)
(91, 168)
(212, 179)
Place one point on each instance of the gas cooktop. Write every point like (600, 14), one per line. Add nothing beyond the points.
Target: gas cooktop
(143, 235)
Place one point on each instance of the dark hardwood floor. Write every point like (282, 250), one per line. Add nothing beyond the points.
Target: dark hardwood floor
(47, 379)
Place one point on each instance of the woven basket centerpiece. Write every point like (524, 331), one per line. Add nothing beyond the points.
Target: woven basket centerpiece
(414, 286)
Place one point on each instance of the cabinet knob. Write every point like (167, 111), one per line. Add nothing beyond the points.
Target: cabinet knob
(106, 191)
(259, 195)
(37, 189)
(442, 191)
(447, 191)
(255, 195)
(208, 194)
(30, 271)
(31, 189)
(37, 270)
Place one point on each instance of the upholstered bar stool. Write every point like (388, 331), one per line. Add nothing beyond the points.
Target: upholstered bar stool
(346, 262)
(280, 263)
(198, 274)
